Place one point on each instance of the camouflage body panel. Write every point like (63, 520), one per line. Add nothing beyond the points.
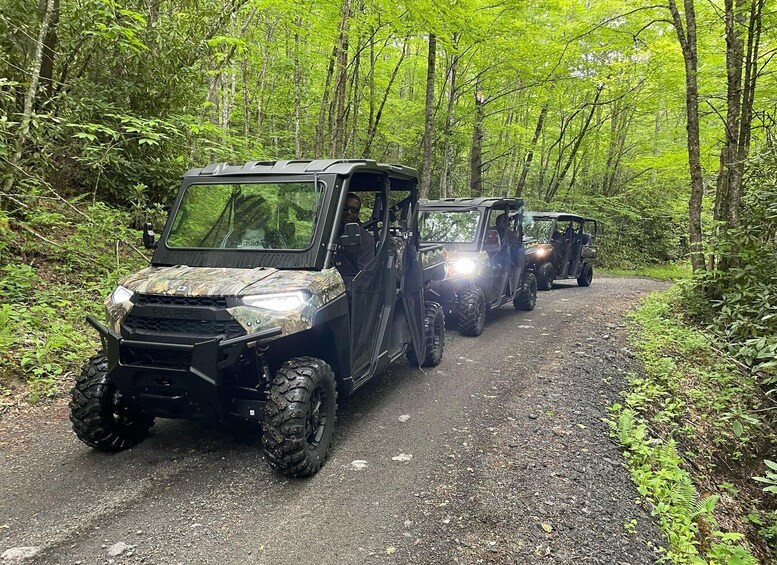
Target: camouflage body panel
(115, 314)
(432, 257)
(194, 281)
(321, 287)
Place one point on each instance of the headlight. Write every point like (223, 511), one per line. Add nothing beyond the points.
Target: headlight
(121, 295)
(281, 302)
(541, 252)
(463, 266)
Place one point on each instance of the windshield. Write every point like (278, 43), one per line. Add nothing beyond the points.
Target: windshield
(449, 226)
(278, 215)
(537, 228)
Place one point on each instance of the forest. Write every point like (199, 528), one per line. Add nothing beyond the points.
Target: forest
(657, 118)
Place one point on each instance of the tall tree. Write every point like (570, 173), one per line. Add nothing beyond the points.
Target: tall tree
(686, 35)
(426, 168)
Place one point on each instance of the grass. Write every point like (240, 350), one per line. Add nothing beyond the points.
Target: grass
(666, 272)
(694, 431)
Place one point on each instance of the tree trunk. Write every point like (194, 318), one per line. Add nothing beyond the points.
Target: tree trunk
(530, 154)
(426, 168)
(447, 154)
(686, 34)
(476, 152)
(29, 102)
(748, 95)
(297, 90)
(338, 106)
(49, 54)
(554, 186)
(373, 130)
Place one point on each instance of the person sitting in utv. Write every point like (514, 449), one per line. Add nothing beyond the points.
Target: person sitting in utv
(349, 263)
(505, 231)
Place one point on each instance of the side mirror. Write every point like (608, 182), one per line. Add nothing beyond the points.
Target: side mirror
(149, 237)
(351, 238)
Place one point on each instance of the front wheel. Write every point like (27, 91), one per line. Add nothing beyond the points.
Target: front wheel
(472, 311)
(586, 275)
(434, 337)
(545, 275)
(101, 417)
(526, 297)
(299, 416)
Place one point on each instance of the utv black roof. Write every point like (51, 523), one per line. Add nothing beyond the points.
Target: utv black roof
(559, 216)
(327, 166)
(469, 203)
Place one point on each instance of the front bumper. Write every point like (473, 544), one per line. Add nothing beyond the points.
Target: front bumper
(188, 380)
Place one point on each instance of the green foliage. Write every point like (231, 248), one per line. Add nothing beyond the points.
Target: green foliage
(43, 336)
(739, 303)
(689, 403)
(770, 479)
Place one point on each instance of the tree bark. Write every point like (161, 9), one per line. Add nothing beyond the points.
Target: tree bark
(530, 153)
(29, 101)
(447, 154)
(426, 168)
(297, 90)
(686, 35)
(49, 53)
(476, 151)
(373, 130)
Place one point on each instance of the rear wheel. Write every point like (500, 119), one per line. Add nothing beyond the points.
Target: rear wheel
(101, 417)
(586, 275)
(526, 297)
(434, 337)
(545, 275)
(299, 417)
(472, 311)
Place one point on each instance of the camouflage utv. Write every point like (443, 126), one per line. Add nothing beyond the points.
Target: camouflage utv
(244, 315)
(560, 246)
(485, 258)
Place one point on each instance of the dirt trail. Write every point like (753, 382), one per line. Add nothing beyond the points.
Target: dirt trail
(511, 463)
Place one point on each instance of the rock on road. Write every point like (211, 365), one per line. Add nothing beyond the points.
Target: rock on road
(498, 455)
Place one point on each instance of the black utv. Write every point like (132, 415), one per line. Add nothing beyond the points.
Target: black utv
(243, 313)
(485, 258)
(560, 246)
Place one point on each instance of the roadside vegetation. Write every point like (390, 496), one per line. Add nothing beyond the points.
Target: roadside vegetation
(58, 263)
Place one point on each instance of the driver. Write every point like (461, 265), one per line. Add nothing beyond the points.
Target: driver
(350, 263)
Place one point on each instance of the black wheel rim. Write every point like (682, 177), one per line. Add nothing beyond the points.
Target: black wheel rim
(315, 423)
(119, 411)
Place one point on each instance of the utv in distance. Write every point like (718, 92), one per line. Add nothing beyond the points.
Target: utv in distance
(485, 258)
(560, 246)
(243, 313)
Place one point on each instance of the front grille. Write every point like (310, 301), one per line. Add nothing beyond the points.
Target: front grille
(156, 358)
(201, 301)
(211, 328)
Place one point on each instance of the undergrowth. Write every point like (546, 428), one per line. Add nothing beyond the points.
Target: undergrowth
(695, 429)
(664, 272)
(58, 263)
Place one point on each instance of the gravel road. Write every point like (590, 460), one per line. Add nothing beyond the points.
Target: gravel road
(502, 458)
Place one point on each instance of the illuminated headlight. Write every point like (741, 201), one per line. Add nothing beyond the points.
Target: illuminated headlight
(463, 266)
(541, 252)
(281, 302)
(121, 295)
